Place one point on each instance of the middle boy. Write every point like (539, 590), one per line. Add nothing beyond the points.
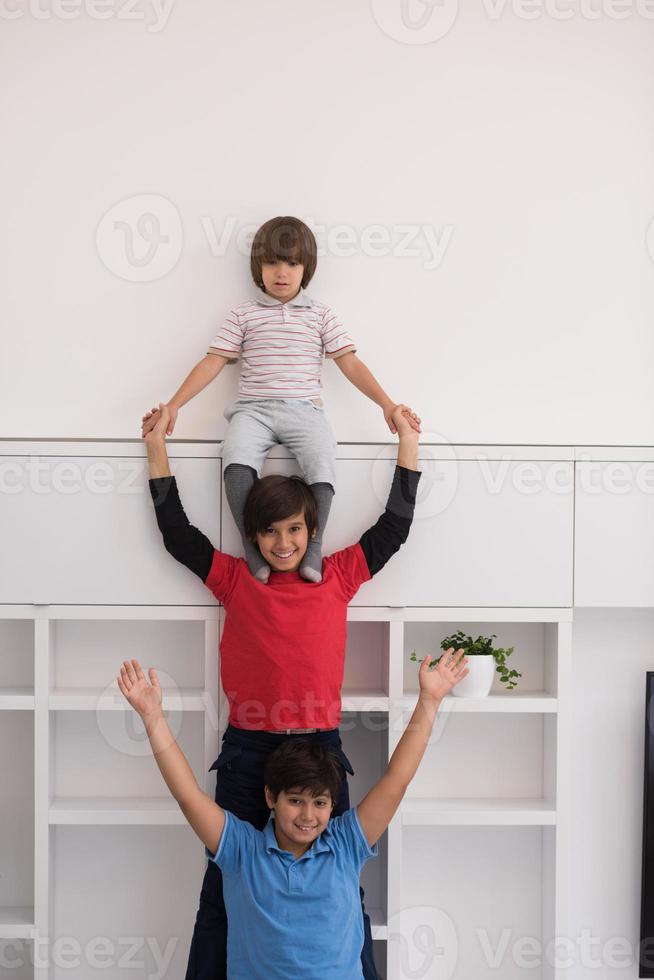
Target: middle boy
(283, 644)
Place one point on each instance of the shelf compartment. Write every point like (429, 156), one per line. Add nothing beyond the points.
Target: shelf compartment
(17, 954)
(366, 659)
(123, 869)
(16, 923)
(477, 812)
(465, 886)
(106, 754)
(17, 809)
(485, 755)
(88, 653)
(529, 656)
(16, 664)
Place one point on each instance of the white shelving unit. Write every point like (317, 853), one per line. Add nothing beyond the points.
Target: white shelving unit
(86, 735)
(77, 722)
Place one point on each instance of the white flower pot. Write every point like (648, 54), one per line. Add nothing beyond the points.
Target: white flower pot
(477, 684)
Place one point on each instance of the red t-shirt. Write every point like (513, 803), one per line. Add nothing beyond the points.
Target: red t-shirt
(282, 651)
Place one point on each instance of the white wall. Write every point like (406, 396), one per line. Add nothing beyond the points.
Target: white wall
(612, 651)
(524, 145)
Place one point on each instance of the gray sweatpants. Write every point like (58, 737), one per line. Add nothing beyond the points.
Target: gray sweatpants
(256, 425)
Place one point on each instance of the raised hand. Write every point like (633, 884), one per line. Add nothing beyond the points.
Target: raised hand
(150, 419)
(160, 424)
(401, 418)
(439, 681)
(143, 695)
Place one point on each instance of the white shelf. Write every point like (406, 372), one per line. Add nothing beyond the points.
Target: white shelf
(154, 613)
(463, 614)
(16, 699)
(538, 702)
(16, 923)
(366, 701)
(122, 811)
(477, 812)
(92, 699)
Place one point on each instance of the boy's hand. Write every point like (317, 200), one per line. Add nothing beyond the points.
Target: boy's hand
(145, 697)
(404, 421)
(160, 424)
(391, 413)
(151, 418)
(450, 669)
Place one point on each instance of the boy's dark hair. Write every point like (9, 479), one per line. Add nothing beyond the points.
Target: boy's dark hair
(276, 497)
(304, 766)
(284, 238)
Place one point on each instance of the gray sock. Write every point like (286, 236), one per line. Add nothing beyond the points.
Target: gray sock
(311, 568)
(238, 482)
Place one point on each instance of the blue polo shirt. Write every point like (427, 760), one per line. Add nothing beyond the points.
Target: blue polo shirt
(293, 917)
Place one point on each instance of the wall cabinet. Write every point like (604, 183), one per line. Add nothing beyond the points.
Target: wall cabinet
(488, 531)
(614, 528)
(81, 529)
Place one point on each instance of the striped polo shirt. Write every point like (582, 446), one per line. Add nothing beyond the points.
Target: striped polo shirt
(281, 345)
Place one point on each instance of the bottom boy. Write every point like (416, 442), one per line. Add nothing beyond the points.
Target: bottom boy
(292, 890)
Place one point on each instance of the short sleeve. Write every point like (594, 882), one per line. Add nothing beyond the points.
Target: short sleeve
(351, 568)
(235, 841)
(229, 339)
(350, 839)
(223, 576)
(336, 341)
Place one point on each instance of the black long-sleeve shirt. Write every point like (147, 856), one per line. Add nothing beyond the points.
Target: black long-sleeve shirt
(192, 548)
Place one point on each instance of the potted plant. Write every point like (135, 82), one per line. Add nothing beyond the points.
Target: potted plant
(484, 661)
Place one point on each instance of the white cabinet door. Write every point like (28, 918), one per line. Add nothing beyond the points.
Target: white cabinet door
(614, 534)
(83, 530)
(485, 533)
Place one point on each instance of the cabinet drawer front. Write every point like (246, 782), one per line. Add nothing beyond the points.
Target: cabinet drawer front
(493, 533)
(83, 530)
(614, 534)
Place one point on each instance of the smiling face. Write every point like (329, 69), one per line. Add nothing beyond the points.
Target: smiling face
(300, 818)
(284, 543)
(282, 278)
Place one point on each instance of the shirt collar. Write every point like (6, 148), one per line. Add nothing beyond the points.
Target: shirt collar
(322, 843)
(302, 299)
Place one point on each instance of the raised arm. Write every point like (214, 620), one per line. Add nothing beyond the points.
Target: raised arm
(183, 541)
(358, 374)
(390, 532)
(378, 808)
(205, 817)
(202, 374)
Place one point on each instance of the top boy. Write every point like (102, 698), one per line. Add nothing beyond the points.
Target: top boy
(281, 337)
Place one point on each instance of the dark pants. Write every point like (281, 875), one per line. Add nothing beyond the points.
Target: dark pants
(240, 789)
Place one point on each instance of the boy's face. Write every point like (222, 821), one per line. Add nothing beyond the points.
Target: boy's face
(284, 544)
(282, 279)
(300, 818)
